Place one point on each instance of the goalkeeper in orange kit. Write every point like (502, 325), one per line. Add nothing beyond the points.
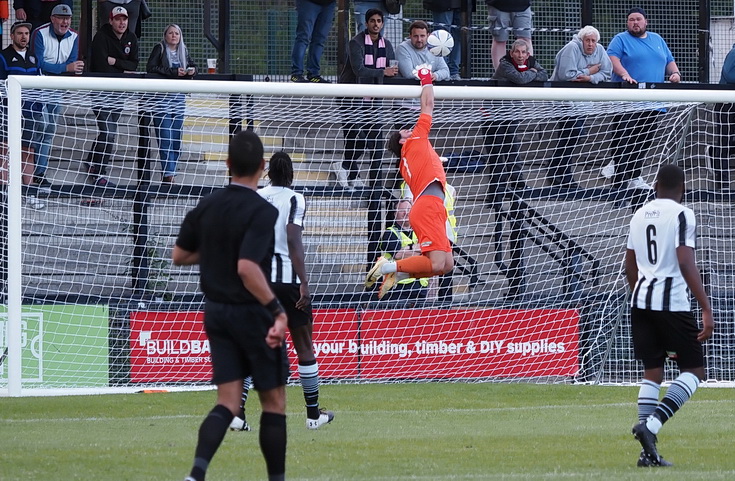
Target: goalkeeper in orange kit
(423, 172)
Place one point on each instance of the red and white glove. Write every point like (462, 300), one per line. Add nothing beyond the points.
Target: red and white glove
(423, 73)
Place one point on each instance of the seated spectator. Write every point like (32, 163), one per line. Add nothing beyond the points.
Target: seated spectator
(399, 242)
(414, 52)
(16, 60)
(368, 61)
(519, 67)
(170, 59)
(114, 50)
(583, 59)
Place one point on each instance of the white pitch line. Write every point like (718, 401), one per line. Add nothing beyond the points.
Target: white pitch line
(401, 412)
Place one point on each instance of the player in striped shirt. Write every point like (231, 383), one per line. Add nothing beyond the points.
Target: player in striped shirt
(423, 172)
(659, 266)
(291, 286)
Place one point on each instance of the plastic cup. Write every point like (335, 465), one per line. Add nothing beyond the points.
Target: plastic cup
(211, 65)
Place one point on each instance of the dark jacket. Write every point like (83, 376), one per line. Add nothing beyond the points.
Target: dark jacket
(106, 44)
(13, 63)
(507, 71)
(355, 70)
(445, 5)
(509, 5)
(158, 66)
(33, 7)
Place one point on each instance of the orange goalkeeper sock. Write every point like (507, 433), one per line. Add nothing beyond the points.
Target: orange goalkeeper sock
(417, 266)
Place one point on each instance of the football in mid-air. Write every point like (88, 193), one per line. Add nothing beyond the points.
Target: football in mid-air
(440, 43)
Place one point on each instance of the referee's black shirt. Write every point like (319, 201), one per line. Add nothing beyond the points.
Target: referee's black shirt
(230, 224)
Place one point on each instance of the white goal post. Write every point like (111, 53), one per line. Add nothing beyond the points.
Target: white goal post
(91, 300)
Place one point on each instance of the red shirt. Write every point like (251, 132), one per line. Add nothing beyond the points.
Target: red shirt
(420, 164)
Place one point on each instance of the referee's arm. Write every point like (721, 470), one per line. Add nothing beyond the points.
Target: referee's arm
(255, 282)
(183, 257)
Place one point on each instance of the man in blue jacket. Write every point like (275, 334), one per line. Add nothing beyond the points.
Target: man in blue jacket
(56, 47)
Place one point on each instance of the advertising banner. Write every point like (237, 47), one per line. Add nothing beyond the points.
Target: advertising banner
(468, 343)
(61, 345)
(382, 344)
(168, 347)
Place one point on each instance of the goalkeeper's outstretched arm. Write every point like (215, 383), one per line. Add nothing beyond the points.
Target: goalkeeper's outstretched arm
(427, 99)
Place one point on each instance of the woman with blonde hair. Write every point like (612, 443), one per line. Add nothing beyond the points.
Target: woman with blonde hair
(170, 59)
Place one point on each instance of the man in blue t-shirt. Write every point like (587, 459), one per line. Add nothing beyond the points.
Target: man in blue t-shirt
(637, 56)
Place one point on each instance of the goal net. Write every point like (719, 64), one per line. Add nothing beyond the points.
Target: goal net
(544, 184)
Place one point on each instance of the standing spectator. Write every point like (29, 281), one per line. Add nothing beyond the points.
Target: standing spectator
(504, 15)
(37, 12)
(447, 15)
(15, 59)
(637, 55)
(230, 235)
(170, 59)
(56, 47)
(583, 59)
(104, 7)
(724, 120)
(519, 67)
(368, 61)
(114, 50)
(661, 270)
(312, 29)
(414, 52)
(290, 284)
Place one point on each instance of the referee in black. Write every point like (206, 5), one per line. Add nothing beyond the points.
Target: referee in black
(230, 235)
(660, 266)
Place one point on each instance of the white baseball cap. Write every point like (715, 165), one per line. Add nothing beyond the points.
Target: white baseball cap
(118, 11)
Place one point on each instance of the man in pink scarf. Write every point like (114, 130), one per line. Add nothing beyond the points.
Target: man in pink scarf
(368, 62)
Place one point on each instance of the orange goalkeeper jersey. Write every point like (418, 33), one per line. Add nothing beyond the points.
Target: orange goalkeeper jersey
(420, 164)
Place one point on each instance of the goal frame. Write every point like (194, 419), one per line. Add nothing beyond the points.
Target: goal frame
(16, 85)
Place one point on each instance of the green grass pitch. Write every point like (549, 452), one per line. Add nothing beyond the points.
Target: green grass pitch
(425, 431)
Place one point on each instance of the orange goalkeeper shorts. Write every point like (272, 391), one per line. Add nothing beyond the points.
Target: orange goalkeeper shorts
(428, 219)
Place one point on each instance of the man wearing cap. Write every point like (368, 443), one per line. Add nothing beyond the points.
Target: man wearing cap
(37, 12)
(637, 56)
(114, 51)
(15, 59)
(56, 47)
(104, 7)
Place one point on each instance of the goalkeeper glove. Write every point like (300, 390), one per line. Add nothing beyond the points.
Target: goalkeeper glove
(423, 73)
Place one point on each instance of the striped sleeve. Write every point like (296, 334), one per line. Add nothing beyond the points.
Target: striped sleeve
(297, 209)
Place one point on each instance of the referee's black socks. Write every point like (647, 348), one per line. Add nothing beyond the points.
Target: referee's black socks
(273, 444)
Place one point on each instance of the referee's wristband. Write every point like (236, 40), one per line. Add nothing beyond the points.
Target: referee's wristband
(274, 307)
(675, 73)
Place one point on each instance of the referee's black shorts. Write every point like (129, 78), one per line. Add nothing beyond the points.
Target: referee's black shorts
(237, 335)
(661, 334)
(288, 295)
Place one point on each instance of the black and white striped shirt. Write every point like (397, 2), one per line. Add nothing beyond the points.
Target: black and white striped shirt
(656, 230)
(291, 210)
